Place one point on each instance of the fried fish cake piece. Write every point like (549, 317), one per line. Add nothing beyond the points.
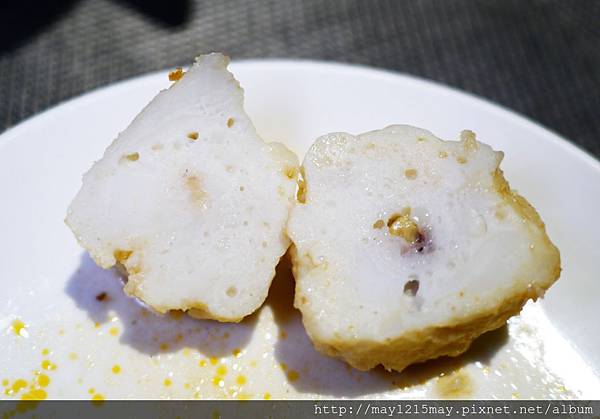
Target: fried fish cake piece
(407, 247)
(190, 200)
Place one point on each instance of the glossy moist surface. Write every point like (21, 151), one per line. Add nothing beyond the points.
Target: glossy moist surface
(190, 200)
(407, 247)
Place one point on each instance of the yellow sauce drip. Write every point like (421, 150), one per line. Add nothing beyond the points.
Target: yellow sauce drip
(48, 366)
(19, 328)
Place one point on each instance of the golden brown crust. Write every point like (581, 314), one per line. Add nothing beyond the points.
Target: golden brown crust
(451, 339)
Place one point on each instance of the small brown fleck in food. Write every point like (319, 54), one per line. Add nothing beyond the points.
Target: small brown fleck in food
(442, 154)
(411, 287)
(290, 172)
(193, 135)
(132, 156)
(410, 174)
(176, 74)
(461, 159)
(231, 291)
(378, 224)
(197, 194)
(421, 139)
(402, 225)
(301, 192)
(102, 296)
(122, 255)
(230, 122)
(157, 147)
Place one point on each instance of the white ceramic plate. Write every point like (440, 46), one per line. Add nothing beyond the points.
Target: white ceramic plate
(59, 341)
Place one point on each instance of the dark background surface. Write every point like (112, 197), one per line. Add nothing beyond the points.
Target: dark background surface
(540, 58)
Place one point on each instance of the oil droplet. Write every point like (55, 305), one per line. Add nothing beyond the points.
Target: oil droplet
(19, 328)
(98, 398)
(167, 382)
(47, 365)
(43, 380)
(92, 390)
(18, 385)
(213, 360)
(73, 356)
(34, 394)
(164, 346)
(283, 366)
(237, 352)
(222, 370)
(241, 380)
(293, 375)
(455, 385)
(202, 363)
(114, 331)
(5, 382)
(218, 381)
(45, 351)
(267, 396)
(116, 369)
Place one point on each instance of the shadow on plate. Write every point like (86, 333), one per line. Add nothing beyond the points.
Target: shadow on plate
(99, 292)
(311, 372)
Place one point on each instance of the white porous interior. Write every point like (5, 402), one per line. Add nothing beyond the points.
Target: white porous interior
(202, 217)
(351, 277)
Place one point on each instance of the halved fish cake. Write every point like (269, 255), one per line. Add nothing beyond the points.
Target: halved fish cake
(407, 247)
(190, 200)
